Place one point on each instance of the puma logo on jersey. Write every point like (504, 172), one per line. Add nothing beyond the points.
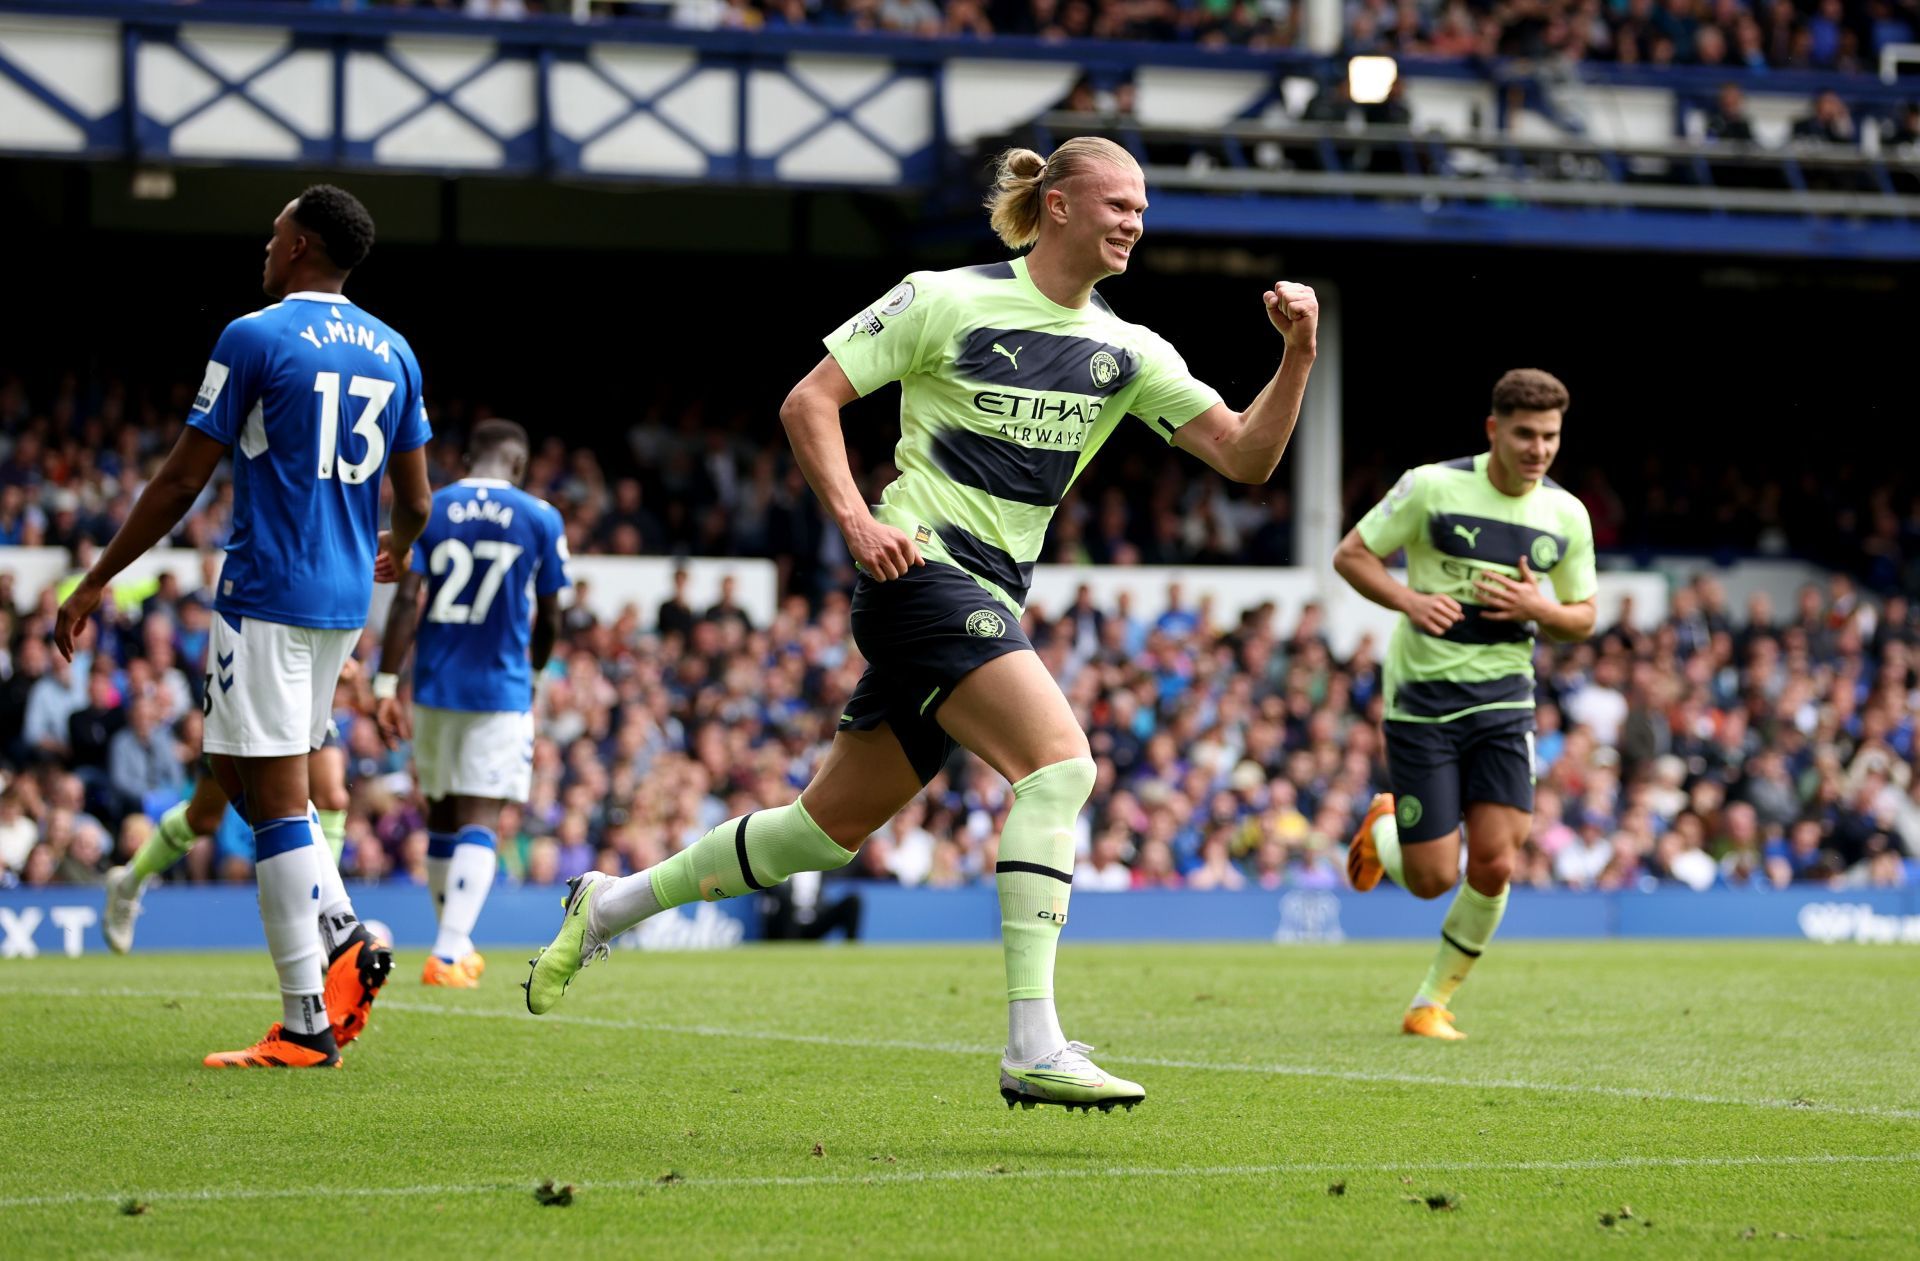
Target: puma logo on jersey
(1471, 536)
(1013, 356)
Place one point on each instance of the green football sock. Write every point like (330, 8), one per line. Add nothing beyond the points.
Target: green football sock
(754, 851)
(1386, 844)
(167, 846)
(1464, 935)
(333, 826)
(1035, 872)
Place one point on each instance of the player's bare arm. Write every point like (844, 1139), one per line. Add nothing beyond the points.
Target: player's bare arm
(412, 503)
(546, 632)
(403, 620)
(811, 415)
(1247, 446)
(1521, 600)
(161, 505)
(1366, 573)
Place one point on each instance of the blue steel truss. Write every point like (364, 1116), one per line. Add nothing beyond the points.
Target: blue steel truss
(565, 152)
(129, 132)
(521, 62)
(103, 136)
(153, 140)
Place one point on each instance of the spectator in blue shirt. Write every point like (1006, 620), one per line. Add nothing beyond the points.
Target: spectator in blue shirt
(1798, 858)
(143, 757)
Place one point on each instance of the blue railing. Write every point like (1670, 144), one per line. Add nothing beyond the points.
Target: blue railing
(409, 90)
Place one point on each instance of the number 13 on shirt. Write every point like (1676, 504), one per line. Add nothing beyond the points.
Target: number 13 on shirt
(376, 392)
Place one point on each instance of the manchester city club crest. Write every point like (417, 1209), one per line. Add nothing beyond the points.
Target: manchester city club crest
(1410, 810)
(986, 624)
(1105, 369)
(1545, 552)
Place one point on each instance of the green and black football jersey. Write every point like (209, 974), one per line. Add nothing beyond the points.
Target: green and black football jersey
(1004, 397)
(1453, 523)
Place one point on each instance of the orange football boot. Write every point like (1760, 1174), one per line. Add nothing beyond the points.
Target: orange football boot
(274, 1051)
(475, 964)
(453, 976)
(355, 974)
(1431, 1022)
(1363, 861)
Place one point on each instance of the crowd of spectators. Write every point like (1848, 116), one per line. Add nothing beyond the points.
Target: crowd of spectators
(691, 482)
(1835, 35)
(1831, 35)
(1750, 747)
(1233, 752)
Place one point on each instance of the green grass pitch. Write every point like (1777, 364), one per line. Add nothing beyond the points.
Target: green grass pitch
(1672, 1099)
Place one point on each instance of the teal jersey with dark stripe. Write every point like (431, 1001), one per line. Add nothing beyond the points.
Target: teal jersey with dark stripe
(1004, 397)
(1453, 523)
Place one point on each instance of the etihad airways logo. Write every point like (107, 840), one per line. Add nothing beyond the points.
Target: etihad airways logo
(1037, 407)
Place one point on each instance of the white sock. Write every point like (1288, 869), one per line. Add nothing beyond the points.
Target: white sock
(439, 858)
(626, 901)
(468, 877)
(337, 920)
(1033, 1029)
(287, 869)
(1386, 844)
(304, 1013)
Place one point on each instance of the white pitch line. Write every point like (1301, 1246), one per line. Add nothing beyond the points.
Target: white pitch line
(1623, 1164)
(958, 1048)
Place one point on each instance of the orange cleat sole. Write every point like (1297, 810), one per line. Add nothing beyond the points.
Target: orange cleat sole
(354, 976)
(274, 1051)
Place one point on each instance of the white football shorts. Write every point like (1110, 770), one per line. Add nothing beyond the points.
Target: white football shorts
(270, 686)
(462, 754)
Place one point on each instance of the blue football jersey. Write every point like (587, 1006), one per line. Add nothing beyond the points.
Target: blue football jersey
(488, 550)
(312, 394)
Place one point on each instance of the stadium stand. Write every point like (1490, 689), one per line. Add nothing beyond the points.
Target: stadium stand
(1835, 35)
(630, 226)
(686, 482)
(1749, 747)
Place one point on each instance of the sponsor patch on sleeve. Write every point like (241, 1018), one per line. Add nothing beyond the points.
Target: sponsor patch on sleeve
(1401, 489)
(210, 386)
(899, 300)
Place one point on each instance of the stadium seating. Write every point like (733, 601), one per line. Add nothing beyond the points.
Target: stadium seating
(1744, 747)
